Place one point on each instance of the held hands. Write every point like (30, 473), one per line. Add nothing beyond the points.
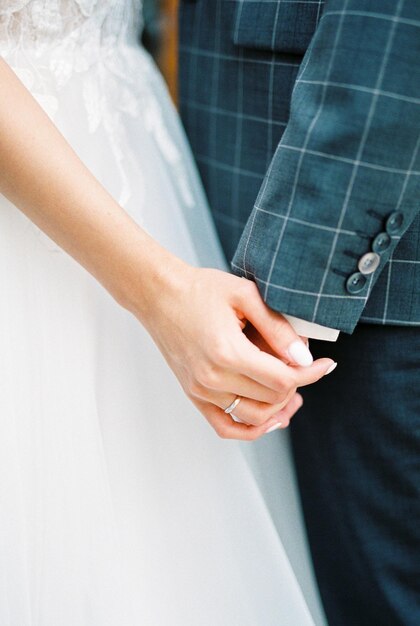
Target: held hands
(199, 323)
(196, 316)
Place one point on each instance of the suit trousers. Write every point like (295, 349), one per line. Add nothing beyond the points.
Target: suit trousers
(356, 445)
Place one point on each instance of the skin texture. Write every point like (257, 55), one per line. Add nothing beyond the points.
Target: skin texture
(196, 316)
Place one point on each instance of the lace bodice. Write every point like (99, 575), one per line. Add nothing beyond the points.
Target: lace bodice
(37, 25)
(89, 50)
(47, 42)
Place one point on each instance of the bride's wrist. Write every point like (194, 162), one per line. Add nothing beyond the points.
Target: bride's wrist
(153, 280)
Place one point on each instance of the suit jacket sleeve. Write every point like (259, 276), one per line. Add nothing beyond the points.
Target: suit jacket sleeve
(343, 185)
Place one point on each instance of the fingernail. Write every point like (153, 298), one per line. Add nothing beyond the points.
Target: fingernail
(275, 427)
(331, 368)
(300, 353)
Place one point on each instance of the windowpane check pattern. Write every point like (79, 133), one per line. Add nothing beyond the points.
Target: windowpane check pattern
(304, 118)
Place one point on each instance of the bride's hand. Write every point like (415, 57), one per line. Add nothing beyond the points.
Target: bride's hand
(197, 317)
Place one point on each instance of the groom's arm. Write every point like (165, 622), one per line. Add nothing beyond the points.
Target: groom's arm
(343, 186)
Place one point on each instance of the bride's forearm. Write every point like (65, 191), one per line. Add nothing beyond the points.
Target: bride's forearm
(42, 176)
(195, 316)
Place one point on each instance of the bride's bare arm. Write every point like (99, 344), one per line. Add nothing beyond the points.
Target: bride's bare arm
(195, 316)
(42, 175)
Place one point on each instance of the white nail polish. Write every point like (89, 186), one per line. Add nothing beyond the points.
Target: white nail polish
(275, 427)
(300, 353)
(331, 368)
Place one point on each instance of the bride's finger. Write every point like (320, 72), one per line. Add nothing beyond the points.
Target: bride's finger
(227, 428)
(248, 411)
(272, 372)
(239, 385)
(285, 415)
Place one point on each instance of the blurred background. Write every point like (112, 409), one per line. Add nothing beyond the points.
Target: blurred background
(160, 37)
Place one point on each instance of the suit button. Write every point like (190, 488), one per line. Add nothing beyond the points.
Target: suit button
(381, 243)
(356, 282)
(394, 223)
(369, 262)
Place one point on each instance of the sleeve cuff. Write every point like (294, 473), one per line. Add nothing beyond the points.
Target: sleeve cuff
(311, 330)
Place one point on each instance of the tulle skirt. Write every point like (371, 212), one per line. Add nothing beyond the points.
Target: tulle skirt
(118, 504)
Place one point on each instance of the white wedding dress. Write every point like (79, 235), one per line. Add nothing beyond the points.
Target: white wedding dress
(119, 506)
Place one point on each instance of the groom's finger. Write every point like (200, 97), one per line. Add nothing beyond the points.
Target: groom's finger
(274, 328)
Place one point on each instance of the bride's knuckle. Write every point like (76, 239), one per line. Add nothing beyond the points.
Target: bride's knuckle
(267, 414)
(282, 403)
(222, 354)
(222, 432)
(256, 420)
(249, 287)
(286, 384)
(248, 291)
(281, 389)
(273, 397)
(190, 396)
(259, 418)
(282, 396)
(196, 388)
(208, 377)
(293, 380)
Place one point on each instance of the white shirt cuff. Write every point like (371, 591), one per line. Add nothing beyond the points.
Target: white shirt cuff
(311, 330)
